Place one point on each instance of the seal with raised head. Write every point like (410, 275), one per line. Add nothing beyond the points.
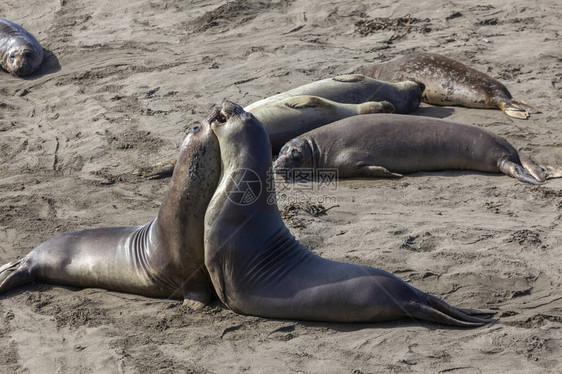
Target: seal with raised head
(258, 268)
(287, 118)
(20, 53)
(383, 145)
(450, 82)
(405, 96)
(164, 258)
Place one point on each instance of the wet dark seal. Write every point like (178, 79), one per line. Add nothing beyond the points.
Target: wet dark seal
(163, 258)
(258, 268)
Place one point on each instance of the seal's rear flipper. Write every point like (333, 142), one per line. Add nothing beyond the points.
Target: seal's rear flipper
(13, 275)
(478, 312)
(373, 171)
(535, 170)
(552, 172)
(516, 171)
(517, 109)
(433, 309)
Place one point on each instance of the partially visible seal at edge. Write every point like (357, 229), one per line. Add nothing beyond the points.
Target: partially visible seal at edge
(20, 53)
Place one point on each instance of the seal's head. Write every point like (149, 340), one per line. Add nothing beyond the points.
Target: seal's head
(239, 133)
(295, 154)
(412, 95)
(21, 61)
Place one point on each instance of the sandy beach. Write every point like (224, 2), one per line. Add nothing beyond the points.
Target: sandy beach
(123, 81)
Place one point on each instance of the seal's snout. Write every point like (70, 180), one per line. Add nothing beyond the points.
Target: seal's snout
(230, 109)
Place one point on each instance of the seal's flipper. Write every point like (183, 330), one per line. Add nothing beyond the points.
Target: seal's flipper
(535, 170)
(160, 170)
(433, 309)
(375, 171)
(376, 107)
(299, 102)
(516, 171)
(517, 109)
(350, 78)
(443, 307)
(193, 303)
(13, 275)
(552, 172)
(478, 312)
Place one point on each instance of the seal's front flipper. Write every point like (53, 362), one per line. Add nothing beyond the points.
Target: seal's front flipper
(300, 102)
(13, 275)
(160, 170)
(516, 171)
(374, 171)
(517, 109)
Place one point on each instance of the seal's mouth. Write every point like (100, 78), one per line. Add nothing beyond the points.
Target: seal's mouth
(230, 109)
(216, 117)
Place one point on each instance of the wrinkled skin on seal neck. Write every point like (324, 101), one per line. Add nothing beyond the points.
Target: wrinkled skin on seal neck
(258, 268)
(163, 258)
(20, 53)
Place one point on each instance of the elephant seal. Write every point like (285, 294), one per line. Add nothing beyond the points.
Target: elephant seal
(20, 53)
(355, 89)
(383, 145)
(164, 258)
(258, 268)
(287, 118)
(450, 82)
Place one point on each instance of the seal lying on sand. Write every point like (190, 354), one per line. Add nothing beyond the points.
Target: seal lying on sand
(20, 53)
(287, 118)
(258, 268)
(163, 258)
(383, 145)
(450, 82)
(355, 89)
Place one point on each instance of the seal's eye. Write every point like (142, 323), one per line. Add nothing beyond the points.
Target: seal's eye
(296, 155)
(195, 128)
(12, 56)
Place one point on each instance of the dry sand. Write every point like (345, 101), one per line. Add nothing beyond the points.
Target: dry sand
(122, 82)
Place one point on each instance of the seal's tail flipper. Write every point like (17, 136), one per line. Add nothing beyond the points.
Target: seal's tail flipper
(552, 172)
(516, 171)
(517, 108)
(436, 310)
(533, 169)
(540, 172)
(13, 275)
